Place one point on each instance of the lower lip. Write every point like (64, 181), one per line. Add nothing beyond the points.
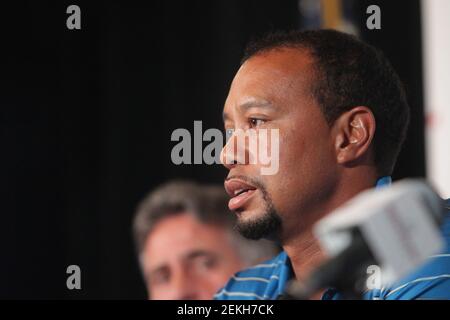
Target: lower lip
(238, 201)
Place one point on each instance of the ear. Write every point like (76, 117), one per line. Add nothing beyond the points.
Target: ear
(353, 134)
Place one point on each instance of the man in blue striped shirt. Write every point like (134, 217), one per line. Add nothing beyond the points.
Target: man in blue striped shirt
(341, 114)
(268, 280)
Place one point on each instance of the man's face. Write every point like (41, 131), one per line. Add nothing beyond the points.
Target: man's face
(272, 91)
(186, 259)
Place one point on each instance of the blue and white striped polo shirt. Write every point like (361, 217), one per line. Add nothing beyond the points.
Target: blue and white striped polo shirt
(267, 281)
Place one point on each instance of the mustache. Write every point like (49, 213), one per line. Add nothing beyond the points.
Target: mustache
(253, 181)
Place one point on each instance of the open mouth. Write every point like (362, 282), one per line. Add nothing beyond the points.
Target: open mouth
(239, 191)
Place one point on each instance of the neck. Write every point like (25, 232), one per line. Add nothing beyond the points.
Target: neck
(302, 247)
(305, 254)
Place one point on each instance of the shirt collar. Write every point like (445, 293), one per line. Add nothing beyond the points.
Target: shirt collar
(383, 182)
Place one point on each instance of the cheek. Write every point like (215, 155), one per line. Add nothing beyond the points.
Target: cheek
(305, 162)
(161, 291)
(219, 277)
(294, 154)
(209, 283)
(306, 150)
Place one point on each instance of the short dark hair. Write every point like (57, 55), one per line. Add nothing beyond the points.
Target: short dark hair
(208, 203)
(350, 73)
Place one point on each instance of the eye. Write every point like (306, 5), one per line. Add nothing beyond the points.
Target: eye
(254, 122)
(159, 278)
(203, 264)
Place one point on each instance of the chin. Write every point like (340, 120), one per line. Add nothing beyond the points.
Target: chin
(248, 215)
(261, 224)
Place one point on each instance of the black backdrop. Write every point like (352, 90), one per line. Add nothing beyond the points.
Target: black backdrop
(86, 118)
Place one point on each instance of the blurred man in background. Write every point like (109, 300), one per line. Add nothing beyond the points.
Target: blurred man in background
(185, 242)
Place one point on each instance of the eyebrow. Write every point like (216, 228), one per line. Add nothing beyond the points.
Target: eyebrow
(252, 103)
(198, 253)
(188, 256)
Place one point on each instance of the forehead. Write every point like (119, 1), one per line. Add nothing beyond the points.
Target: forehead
(278, 74)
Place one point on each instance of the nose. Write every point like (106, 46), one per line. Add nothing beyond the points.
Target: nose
(184, 288)
(235, 151)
